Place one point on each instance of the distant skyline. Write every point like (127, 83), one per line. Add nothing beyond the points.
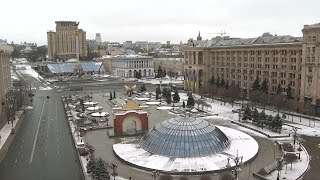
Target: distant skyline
(155, 20)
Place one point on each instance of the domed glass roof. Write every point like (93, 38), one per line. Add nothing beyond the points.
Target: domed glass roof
(184, 137)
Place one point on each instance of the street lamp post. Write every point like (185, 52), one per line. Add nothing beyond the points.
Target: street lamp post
(155, 174)
(279, 167)
(238, 162)
(295, 129)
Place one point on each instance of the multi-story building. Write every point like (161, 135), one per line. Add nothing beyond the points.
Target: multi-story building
(67, 42)
(5, 80)
(284, 60)
(129, 65)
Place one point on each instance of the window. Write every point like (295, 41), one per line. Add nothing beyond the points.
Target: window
(314, 39)
(309, 39)
(309, 69)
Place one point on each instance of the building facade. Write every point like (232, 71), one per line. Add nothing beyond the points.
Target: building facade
(67, 42)
(5, 80)
(284, 60)
(129, 65)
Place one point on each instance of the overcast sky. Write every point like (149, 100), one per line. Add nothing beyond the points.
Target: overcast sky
(156, 20)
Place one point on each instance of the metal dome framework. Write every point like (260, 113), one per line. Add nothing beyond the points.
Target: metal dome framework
(184, 137)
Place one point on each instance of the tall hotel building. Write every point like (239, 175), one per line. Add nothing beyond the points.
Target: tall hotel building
(284, 60)
(66, 41)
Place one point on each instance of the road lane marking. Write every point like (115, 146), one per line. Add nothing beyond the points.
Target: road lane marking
(16, 161)
(35, 139)
(45, 153)
(21, 147)
(46, 146)
(58, 152)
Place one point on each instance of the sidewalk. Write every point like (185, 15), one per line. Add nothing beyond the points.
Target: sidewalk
(77, 139)
(6, 136)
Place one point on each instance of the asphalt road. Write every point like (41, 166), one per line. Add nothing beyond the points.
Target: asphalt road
(42, 149)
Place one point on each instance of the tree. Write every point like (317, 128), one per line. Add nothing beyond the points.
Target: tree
(110, 96)
(143, 88)
(279, 89)
(227, 85)
(160, 72)
(255, 115)
(164, 92)
(190, 101)
(158, 92)
(171, 74)
(247, 113)
(218, 81)
(256, 84)
(264, 86)
(114, 93)
(222, 82)
(290, 158)
(212, 80)
(183, 104)
(164, 73)
(289, 92)
(176, 97)
(168, 97)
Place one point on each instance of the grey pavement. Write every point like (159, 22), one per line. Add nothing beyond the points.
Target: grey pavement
(42, 148)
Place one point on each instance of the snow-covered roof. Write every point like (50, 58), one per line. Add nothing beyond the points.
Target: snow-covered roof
(241, 143)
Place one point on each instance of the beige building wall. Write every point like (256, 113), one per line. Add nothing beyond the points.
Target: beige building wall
(295, 63)
(62, 43)
(5, 79)
(310, 90)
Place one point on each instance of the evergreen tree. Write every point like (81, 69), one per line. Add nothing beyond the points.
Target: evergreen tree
(247, 113)
(164, 73)
(176, 97)
(183, 104)
(264, 86)
(218, 81)
(212, 80)
(256, 85)
(289, 92)
(255, 115)
(227, 85)
(279, 89)
(143, 88)
(158, 92)
(164, 92)
(110, 96)
(114, 93)
(190, 101)
(168, 97)
(160, 72)
(222, 82)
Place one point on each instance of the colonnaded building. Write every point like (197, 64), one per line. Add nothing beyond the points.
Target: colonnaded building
(284, 60)
(5, 80)
(129, 65)
(67, 42)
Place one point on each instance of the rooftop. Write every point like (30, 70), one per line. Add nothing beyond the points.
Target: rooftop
(183, 137)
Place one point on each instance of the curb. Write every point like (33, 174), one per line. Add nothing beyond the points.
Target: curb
(84, 177)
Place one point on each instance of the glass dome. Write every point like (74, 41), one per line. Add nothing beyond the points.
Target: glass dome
(184, 137)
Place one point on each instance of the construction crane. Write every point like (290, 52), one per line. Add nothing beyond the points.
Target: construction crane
(222, 33)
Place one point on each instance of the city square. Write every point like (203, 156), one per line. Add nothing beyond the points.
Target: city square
(160, 90)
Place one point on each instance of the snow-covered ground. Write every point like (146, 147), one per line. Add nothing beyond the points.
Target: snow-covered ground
(25, 69)
(241, 144)
(304, 125)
